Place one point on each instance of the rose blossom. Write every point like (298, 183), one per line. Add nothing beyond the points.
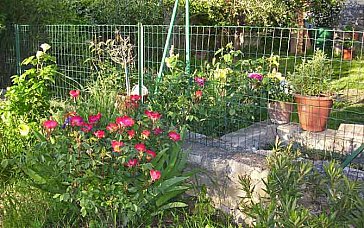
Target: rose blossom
(150, 155)
(135, 98)
(198, 93)
(256, 76)
(116, 145)
(154, 116)
(112, 127)
(140, 147)
(76, 121)
(74, 93)
(200, 81)
(145, 134)
(125, 121)
(99, 134)
(131, 133)
(92, 119)
(50, 124)
(155, 174)
(86, 127)
(157, 131)
(132, 162)
(174, 136)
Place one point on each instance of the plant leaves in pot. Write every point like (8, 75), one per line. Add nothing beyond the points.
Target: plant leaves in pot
(310, 84)
(280, 97)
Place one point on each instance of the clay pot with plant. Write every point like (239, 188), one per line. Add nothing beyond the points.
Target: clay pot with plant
(312, 95)
(348, 49)
(279, 94)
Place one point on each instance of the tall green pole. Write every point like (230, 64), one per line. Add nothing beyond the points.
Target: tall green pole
(17, 49)
(140, 58)
(188, 40)
(166, 46)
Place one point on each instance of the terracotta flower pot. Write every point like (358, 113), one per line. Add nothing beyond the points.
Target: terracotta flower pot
(313, 112)
(347, 54)
(280, 112)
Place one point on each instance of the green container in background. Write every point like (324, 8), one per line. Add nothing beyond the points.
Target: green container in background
(324, 38)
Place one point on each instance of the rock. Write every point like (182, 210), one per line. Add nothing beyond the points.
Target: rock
(344, 141)
(222, 169)
(258, 135)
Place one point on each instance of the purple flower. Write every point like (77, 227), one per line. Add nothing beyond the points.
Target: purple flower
(256, 76)
(200, 81)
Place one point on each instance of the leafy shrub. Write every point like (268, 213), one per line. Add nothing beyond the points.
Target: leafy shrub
(114, 174)
(311, 77)
(30, 95)
(27, 101)
(215, 100)
(297, 195)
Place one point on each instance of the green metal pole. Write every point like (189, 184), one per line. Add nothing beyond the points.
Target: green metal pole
(352, 156)
(188, 41)
(17, 49)
(140, 58)
(166, 46)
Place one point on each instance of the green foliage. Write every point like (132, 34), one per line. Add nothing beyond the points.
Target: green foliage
(201, 213)
(311, 77)
(30, 93)
(274, 84)
(297, 195)
(27, 102)
(215, 100)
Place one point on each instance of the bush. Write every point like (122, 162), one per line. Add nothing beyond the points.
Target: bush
(215, 100)
(297, 195)
(27, 101)
(114, 174)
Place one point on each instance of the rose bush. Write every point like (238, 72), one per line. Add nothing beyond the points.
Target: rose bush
(114, 172)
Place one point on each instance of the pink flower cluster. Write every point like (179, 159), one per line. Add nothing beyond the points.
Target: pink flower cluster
(256, 76)
(141, 136)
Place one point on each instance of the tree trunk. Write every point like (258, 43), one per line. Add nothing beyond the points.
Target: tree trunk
(297, 36)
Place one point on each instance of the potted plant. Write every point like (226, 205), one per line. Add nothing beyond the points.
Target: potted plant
(280, 98)
(279, 94)
(310, 84)
(348, 49)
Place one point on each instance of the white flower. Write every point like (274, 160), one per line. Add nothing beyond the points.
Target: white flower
(45, 47)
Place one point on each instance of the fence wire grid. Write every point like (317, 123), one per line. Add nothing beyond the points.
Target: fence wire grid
(70, 45)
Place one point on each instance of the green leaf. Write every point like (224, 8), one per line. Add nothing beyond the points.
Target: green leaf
(170, 182)
(33, 175)
(168, 196)
(4, 163)
(170, 206)
(40, 136)
(27, 60)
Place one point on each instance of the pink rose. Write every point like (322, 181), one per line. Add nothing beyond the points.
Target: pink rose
(174, 136)
(155, 174)
(50, 124)
(256, 76)
(76, 121)
(112, 127)
(92, 119)
(140, 147)
(125, 121)
(99, 134)
(116, 145)
(74, 93)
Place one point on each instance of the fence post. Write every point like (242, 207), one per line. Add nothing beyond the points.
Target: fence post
(188, 43)
(17, 49)
(140, 59)
(166, 46)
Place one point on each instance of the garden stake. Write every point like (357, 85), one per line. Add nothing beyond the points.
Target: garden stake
(352, 156)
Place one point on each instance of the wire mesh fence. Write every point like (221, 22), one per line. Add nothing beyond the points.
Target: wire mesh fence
(229, 114)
